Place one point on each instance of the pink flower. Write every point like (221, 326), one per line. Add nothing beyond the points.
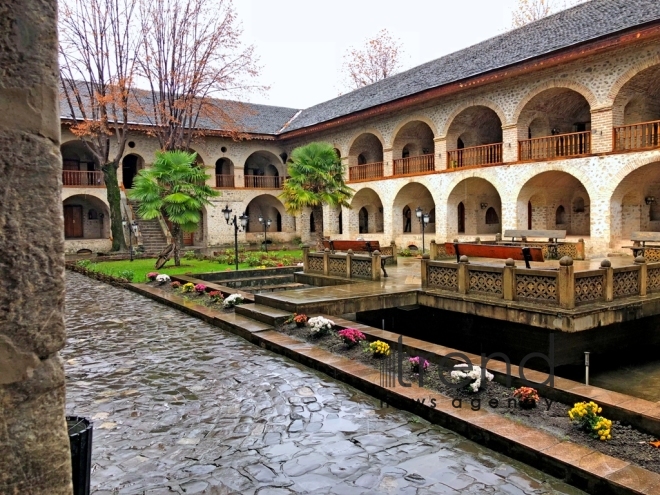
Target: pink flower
(414, 363)
(351, 336)
(152, 276)
(201, 288)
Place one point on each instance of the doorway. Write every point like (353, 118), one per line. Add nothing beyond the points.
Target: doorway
(73, 227)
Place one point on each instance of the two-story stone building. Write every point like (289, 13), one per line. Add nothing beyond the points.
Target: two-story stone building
(555, 125)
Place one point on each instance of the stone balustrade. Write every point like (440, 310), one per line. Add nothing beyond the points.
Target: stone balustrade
(559, 249)
(345, 265)
(563, 287)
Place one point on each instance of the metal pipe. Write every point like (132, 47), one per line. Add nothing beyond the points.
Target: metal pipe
(586, 368)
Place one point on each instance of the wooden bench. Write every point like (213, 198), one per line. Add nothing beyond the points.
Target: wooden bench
(357, 246)
(521, 253)
(553, 237)
(640, 239)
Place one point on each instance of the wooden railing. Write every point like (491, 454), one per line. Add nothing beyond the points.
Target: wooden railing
(414, 165)
(83, 178)
(561, 145)
(475, 156)
(644, 135)
(367, 171)
(226, 181)
(263, 181)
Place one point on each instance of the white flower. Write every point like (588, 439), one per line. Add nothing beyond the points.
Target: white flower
(163, 278)
(232, 300)
(318, 324)
(474, 375)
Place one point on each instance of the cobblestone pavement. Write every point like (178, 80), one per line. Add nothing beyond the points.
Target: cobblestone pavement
(180, 406)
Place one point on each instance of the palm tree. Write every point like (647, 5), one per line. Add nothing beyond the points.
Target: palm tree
(316, 179)
(175, 188)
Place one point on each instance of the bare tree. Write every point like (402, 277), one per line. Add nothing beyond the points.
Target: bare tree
(191, 54)
(379, 58)
(533, 10)
(98, 50)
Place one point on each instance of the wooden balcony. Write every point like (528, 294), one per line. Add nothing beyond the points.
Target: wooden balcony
(552, 147)
(642, 136)
(263, 181)
(414, 165)
(475, 156)
(224, 181)
(82, 178)
(368, 171)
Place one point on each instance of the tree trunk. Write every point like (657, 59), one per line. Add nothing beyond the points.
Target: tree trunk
(177, 236)
(114, 200)
(318, 224)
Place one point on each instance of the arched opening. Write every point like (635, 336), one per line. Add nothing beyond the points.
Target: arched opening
(474, 138)
(130, 166)
(407, 200)
(268, 208)
(341, 222)
(224, 173)
(636, 112)
(555, 123)
(366, 213)
(554, 196)
(79, 167)
(85, 217)
(473, 199)
(413, 149)
(312, 222)
(634, 204)
(338, 152)
(365, 158)
(263, 170)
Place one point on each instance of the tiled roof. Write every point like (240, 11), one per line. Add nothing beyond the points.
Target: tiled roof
(585, 22)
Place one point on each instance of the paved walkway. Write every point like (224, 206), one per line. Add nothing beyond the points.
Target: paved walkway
(182, 407)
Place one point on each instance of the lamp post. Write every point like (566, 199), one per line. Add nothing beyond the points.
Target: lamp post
(132, 229)
(243, 219)
(266, 224)
(424, 221)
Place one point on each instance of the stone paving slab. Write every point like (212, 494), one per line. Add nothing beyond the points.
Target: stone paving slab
(181, 406)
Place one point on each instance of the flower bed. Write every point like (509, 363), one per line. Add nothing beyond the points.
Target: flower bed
(624, 442)
(199, 294)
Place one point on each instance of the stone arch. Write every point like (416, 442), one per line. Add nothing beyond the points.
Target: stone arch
(373, 131)
(224, 173)
(369, 200)
(268, 207)
(477, 102)
(79, 166)
(369, 145)
(469, 131)
(86, 217)
(413, 118)
(635, 204)
(638, 97)
(472, 198)
(630, 74)
(547, 192)
(409, 197)
(199, 160)
(263, 169)
(131, 165)
(198, 237)
(585, 92)
(413, 148)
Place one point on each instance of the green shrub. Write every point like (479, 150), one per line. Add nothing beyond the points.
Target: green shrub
(406, 253)
(253, 259)
(189, 255)
(83, 263)
(127, 274)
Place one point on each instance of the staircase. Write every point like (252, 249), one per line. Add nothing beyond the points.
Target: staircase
(153, 238)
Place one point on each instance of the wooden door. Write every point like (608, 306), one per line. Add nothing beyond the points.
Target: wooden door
(461, 218)
(73, 221)
(529, 215)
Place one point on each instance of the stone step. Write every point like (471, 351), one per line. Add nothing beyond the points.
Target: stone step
(240, 324)
(262, 313)
(273, 288)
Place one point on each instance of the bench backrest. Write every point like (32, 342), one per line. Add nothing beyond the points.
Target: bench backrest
(495, 251)
(645, 236)
(341, 245)
(548, 234)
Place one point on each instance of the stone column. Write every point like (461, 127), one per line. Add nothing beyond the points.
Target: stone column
(34, 443)
(601, 129)
(440, 153)
(388, 162)
(509, 143)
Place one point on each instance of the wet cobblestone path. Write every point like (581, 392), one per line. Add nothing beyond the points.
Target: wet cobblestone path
(180, 406)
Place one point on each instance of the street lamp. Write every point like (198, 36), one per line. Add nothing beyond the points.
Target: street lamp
(266, 224)
(243, 219)
(423, 219)
(133, 230)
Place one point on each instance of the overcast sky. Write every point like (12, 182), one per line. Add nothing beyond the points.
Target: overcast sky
(301, 42)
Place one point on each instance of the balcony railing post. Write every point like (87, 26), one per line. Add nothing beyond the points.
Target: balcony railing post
(643, 274)
(375, 266)
(566, 283)
(305, 250)
(509, 280)
(349, 263)
(326, 261)
(463, 275)
(425, 272)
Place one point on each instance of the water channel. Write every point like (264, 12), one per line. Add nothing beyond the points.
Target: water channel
(180, 406)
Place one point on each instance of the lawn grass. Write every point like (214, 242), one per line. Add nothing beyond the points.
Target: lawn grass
(140, 267)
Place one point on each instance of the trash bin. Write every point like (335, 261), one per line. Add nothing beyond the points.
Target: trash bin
(80, 438)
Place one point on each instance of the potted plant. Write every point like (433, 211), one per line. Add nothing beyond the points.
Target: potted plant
(414, 363)
(319, 326)
(378, 349)
(470, 378)
(527, 397)
(351, 336)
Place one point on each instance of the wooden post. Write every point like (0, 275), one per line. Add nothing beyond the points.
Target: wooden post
(326, 261)
(566, 283)
(509, 280)
(608, 290)
(425, 270)
(349, 258)
(394, 253)
(463, 275)
(305, 250)
(643, 274)
(433, 250)
(375, 266)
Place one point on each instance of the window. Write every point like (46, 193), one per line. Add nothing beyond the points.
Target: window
(461, 218)
(560, 216)
(491, 216)
(312, 224)
(361, 159)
